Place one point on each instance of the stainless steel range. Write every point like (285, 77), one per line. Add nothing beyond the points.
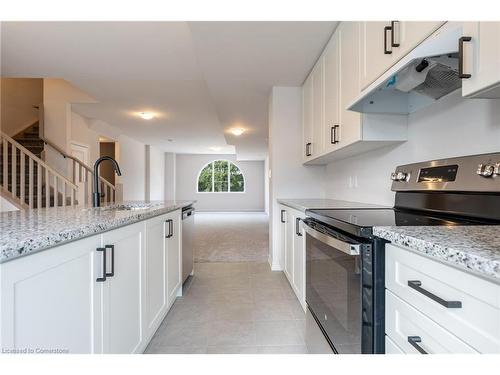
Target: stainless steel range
(345, 261)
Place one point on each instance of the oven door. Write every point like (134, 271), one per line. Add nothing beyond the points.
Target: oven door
(334, 287)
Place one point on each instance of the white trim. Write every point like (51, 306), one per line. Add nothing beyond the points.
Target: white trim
(228, 179)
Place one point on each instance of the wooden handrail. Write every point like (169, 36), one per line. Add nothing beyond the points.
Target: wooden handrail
(37, 159)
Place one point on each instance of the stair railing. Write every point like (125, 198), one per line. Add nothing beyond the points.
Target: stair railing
(27, 191)
(82, 175)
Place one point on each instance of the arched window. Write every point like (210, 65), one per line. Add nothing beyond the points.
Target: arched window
(221, 176)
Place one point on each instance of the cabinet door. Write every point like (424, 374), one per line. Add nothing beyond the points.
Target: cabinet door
(282, 233)
(51, 300)
(376, 41)
(350, 121)
(122, 291)
(174, 256)
(290, 234)
(332, 94)
(482, 60)
(299, 259)
(156, 273)
(307, 118)
(374, 61)
(318, 97)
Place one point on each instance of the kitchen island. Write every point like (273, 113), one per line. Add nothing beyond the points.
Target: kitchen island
(88, 280)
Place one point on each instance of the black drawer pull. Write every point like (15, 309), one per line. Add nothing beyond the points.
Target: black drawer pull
(308, 149)
(282, 217)
(297, 227)
(414, 341)
(417, 285)
(461, 41)
(387, 51)
(103, 278)
(112, 273)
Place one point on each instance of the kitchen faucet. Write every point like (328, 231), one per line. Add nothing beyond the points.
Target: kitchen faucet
(96, 195)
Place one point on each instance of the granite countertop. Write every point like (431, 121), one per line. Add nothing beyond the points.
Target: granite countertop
(310, 204)
(471, 248)
(27, 232)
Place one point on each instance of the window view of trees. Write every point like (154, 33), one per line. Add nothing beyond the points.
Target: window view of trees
(221, 176)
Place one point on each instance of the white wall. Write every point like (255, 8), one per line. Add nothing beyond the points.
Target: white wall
(155, 174)
(452, 127)
(82, 134)
(19, 95)
(189, 165)
(289, 178)
(5, 205)
(170, 175)
(132, 160)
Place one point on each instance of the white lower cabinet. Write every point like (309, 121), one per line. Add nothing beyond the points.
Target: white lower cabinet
(102, 294)
(174, 257)
(122, 291)
(51, 300)
(293, 248)
(448, 310)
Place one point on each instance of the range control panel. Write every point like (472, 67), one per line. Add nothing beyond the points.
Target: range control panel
(468, 173)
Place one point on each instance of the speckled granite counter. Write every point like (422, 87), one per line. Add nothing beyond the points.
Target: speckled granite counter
(27, 232)
(472, 248)
(310, 204)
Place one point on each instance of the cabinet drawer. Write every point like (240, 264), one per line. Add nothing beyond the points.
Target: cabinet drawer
(391, 347)
(403, 324)
(476, 321)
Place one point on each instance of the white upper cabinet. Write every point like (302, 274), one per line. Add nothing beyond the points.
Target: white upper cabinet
(307, 118)
(481, 49)
(332, 87)
(338, 132)
(383, 43)
(318, 77)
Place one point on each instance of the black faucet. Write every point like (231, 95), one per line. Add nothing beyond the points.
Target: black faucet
(96, 195)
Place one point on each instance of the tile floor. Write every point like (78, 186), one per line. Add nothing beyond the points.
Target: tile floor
(233, 308)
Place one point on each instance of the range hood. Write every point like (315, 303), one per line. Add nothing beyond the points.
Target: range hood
(428, 73)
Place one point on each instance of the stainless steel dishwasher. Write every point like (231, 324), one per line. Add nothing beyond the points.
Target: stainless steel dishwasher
(187, 242)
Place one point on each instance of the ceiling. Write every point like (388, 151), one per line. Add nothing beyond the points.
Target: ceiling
(200, 78)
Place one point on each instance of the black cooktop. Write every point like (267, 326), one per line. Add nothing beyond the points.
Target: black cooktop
(360, 222)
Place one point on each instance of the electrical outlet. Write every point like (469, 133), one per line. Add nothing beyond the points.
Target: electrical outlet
(355, 182)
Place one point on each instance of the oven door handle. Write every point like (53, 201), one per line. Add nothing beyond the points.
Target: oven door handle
(345, 247)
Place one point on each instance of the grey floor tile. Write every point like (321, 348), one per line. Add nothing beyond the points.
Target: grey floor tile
(268, 294)
(232, 349)
(278, 333)
(272, 310)
(176, 350)
(285, 349)
(231, 333)
(181, 335)
(235, 311)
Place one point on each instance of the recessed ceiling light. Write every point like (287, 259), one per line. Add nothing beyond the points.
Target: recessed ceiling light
(215, 148)
(146, 115)
(237, 131)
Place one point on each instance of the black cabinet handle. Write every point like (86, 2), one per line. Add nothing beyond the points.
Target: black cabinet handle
(461, 41)
(308, 149)
(297, 227)
(394, 24)
(170, 223)
(417, 285)
(414, 341)
(103, 278)
(386, 44)
(112, 247)
(282, 218)
(336, 133)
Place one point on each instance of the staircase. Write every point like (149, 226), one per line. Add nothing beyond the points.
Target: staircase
(28, 182)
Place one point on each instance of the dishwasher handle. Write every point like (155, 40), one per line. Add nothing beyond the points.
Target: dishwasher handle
(187, 212)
